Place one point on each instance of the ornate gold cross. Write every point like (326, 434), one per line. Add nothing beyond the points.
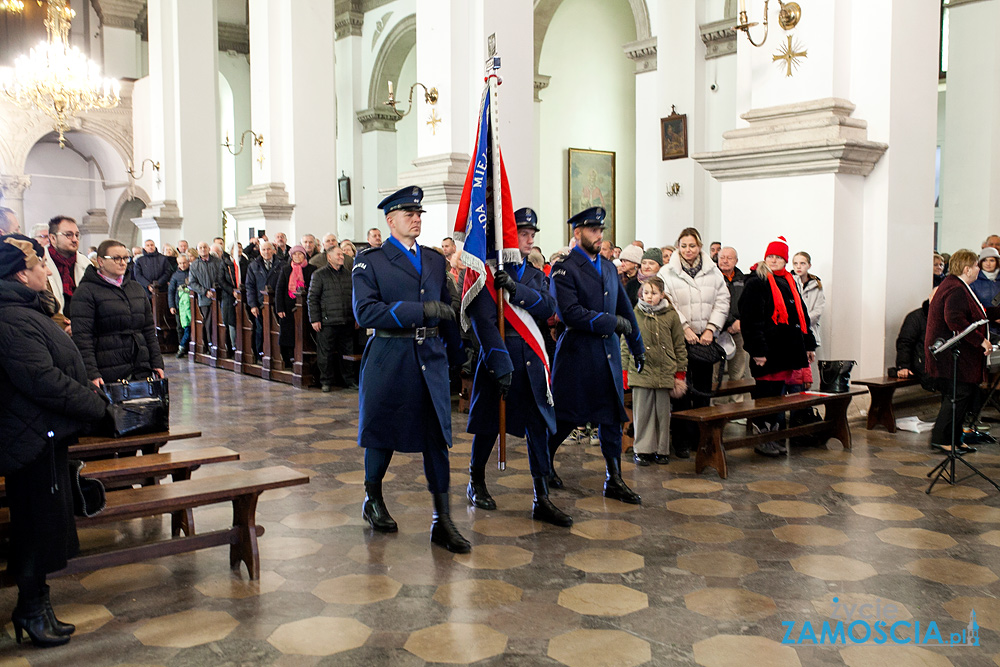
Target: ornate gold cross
(433, 121)
(791, 55)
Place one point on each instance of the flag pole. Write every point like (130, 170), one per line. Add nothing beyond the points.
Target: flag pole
(493, 78)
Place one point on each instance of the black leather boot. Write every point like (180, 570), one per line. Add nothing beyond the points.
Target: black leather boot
(544, 510)
(478, 494)
(443, 531)
(60, 628)
(614, 485)
(30, 616)
(555, 481)
(374, 510)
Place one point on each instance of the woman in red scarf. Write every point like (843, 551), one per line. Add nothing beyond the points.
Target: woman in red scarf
(776, 332)
(292, 280)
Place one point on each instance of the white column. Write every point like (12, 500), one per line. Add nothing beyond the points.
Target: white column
(970, 156)
(350, 96)
(120, 42)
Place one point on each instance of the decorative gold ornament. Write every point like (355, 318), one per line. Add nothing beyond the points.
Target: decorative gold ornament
(58, 79)
(12, 6)
(789, 15)
(790, 55)
(258, 141)
(788, 18)
(430, 97)
(433, 121)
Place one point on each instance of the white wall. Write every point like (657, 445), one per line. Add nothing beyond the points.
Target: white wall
(237, 177)
(52, 191)
(406, 129)
(590, 103)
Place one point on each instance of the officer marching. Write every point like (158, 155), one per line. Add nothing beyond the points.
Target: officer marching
(401, 291)
(509, 366)
(587, 372)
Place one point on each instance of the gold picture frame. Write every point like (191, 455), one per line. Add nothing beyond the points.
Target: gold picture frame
(592, 183)
(674, 136)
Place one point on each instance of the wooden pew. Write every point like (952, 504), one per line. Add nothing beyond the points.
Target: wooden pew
(880, 413)
(164, 321)
(241, 488)
(712, 420)
(90, 448)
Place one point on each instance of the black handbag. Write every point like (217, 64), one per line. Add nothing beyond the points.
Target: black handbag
(89, 498)
(139, 406)
(706, 354)
(835, 376)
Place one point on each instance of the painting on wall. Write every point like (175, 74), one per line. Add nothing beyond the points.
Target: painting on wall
(674, 136)
(592, 183)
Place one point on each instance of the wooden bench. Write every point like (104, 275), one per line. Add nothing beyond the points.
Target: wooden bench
(242, 488)
(713, 419)
(880, 413)
(91, 448)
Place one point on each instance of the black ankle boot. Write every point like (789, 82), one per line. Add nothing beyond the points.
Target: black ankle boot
(478, 494)
(30, 616)
(544, 510)
(443, 531)
(555, 481)
(615, 487)
(374, 510)
(60, 628)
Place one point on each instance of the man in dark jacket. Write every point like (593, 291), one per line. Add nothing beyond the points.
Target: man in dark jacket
(332, 318)
(910, 350)
(152, 268)
(737, 368)
(177, 280)
(207, 276)
(262, 275)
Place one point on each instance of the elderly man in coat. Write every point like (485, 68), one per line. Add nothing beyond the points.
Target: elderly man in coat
(401, 291)
(512, 366)
(587, 373)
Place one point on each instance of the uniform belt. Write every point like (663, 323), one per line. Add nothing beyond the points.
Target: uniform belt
(419, 333)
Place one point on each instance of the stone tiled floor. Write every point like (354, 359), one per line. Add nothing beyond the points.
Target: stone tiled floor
(705, 572)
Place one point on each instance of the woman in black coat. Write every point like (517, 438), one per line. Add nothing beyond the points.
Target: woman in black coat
(776, 332)
(113, 321)
(289, 285)
(45, 402)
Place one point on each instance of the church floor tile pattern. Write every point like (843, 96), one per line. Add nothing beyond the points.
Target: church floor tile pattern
(705, 572)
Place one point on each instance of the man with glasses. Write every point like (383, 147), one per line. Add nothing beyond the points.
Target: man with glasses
(64, 259)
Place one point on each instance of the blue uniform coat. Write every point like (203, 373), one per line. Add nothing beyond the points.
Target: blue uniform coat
(498, 357)
(398, 373)
(587, 381)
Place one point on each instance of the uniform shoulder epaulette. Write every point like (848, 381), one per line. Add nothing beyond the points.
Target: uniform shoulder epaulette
(365, 251)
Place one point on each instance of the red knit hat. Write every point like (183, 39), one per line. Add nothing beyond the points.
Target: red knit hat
(778, 247)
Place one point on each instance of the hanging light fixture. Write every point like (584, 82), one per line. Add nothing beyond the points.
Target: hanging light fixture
(12, 6)
(56, 78)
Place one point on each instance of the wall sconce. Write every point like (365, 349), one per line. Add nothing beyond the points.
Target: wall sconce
(258, 141)
(673, 189)
(142, 170)
(788, 18)
(430, 96)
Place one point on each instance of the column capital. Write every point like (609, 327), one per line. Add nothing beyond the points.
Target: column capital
(813, 137)
(349, 23)
(541, 83)
(719, 38)
(377, 120)
(234, 37)
(119, 13)
(95, 222)
(643, 53)
(159, 215)
(13, 186)
(442, 177)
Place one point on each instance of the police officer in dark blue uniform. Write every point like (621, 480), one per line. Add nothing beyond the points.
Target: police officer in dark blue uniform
(587, 372)
(401, 291)
(510, 367)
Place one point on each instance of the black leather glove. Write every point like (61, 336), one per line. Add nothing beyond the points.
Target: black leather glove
(502, 280)
(503, 382)
(624, 327)
(438, 310)
(640, 362)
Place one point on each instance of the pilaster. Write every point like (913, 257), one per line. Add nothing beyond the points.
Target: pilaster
(94, 227)
(161, 221)
(12, 187)
(265, 206)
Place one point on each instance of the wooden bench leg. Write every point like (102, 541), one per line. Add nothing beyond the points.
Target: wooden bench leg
(244, 548)
(711, 451)
(182, 521)
(880, 413)
(836, 416)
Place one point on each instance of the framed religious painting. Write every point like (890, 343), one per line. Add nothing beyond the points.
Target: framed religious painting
(674, 135)
(592, 183)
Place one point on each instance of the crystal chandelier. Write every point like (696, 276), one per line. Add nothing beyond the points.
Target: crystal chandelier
(58, 79)
(12, 6)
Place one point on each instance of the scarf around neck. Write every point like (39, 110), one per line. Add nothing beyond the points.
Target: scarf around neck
(67, 269)
(780, 315)
(653, 310)
(296, 281)
(992, 275)
(691, 268)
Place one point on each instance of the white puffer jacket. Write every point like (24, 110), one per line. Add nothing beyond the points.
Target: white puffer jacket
(814, 301)
(701, 300)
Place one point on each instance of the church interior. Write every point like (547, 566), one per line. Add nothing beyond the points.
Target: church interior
(855, 129)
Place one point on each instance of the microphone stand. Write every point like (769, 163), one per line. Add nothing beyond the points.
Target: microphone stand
(946, 469)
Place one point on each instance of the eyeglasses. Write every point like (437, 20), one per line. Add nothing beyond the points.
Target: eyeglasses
(70, 235)
(121, 259)
(41, 236)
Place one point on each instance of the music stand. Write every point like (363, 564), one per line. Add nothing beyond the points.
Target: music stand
(946, 468)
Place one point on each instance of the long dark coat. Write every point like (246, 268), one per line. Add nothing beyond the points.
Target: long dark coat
(952, 309)
(286, 304)
(113, 327)
(499, 356)
(587, 381)
(399, 375)
(783, 345)
(43, 387)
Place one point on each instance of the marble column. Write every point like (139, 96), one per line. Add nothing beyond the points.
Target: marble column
(807, 162)
(12, 187)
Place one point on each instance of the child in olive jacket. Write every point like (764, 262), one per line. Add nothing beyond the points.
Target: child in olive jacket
(663, 376)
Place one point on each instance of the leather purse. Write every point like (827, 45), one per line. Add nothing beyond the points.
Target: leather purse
(139, 406)
(89, 497)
